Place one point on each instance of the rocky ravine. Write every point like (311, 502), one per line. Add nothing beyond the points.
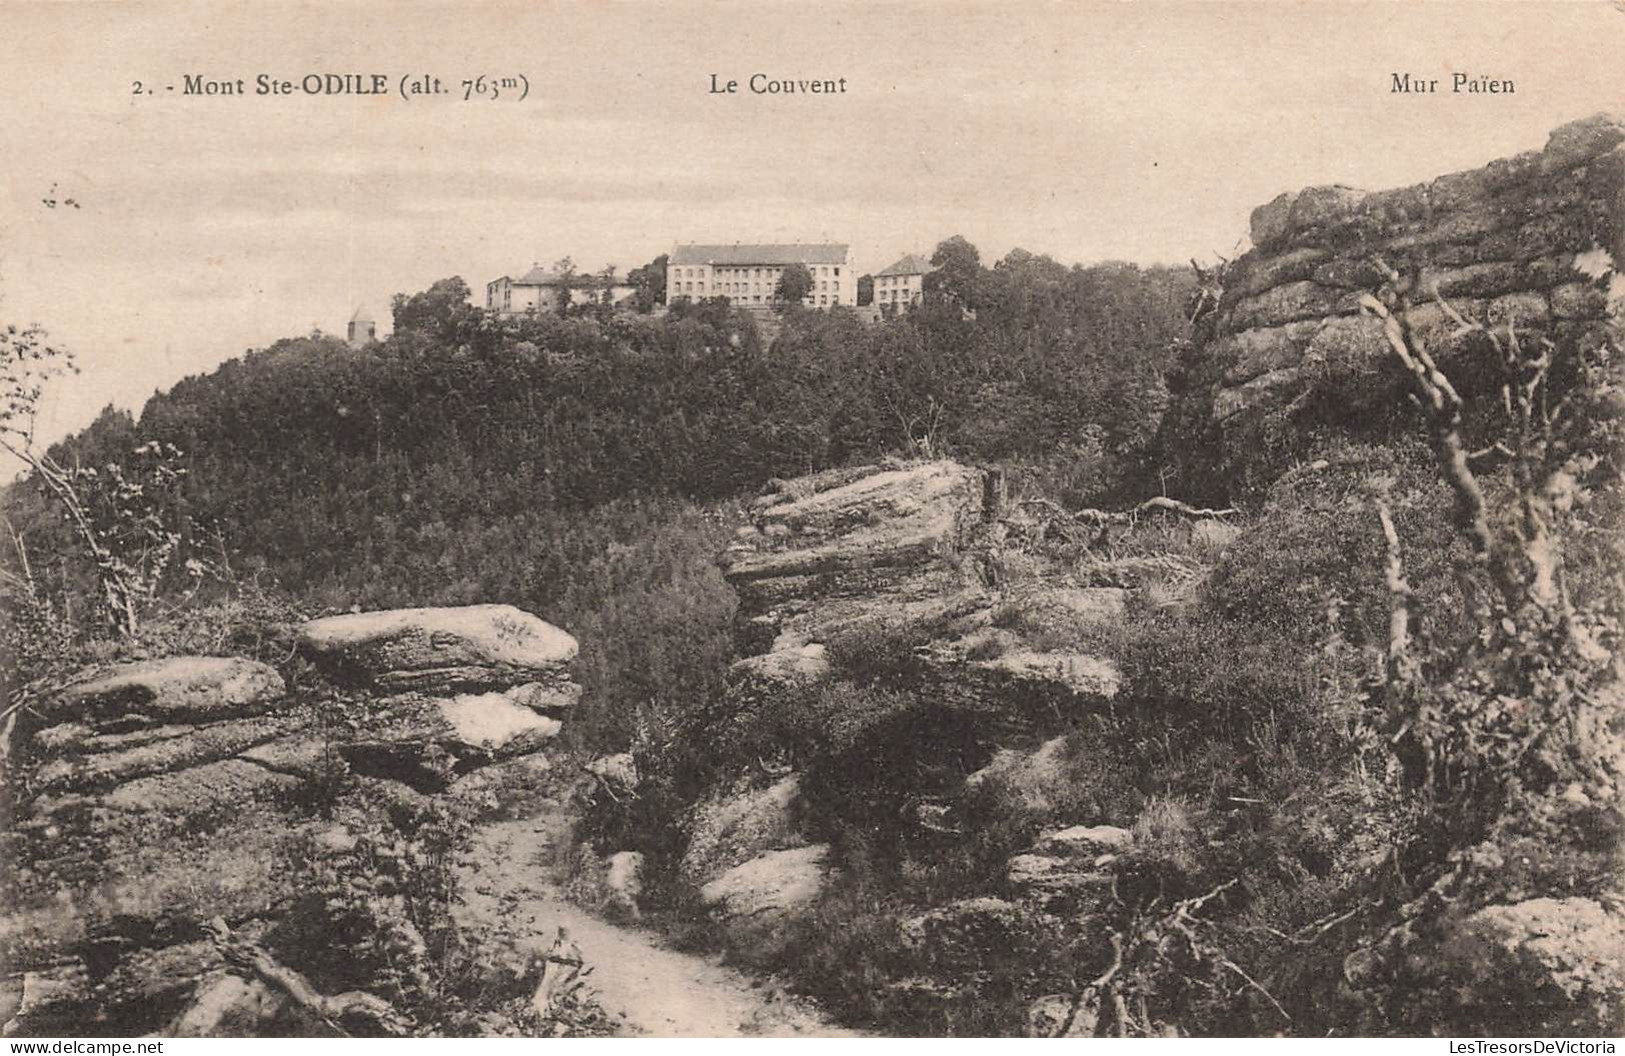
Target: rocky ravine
(153, 796)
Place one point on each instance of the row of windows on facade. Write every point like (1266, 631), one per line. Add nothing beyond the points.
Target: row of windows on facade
(740, 295)
(743, 287)
(753, 273)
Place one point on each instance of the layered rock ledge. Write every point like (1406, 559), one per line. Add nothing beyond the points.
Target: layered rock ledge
(1500, 242)
(901, 556)
(154, 795)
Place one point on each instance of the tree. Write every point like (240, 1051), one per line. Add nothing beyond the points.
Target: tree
(795, 283)
(606, 282)
(440, 311)
(565, 270)
(1507, 742)
(866, 290)
(128, 524)
(650, 283)
(958, 274)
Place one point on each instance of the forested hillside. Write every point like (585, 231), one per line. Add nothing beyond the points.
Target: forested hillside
(453, 461)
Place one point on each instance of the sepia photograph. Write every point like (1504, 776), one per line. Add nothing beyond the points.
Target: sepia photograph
(845, 519)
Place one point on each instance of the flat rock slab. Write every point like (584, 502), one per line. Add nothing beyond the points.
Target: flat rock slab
(471, 647)
(200, 790)
(179, 687)
(1078, 673)
(771, 885)
(493, 723)
(1085, 841)
(191, 747)
(424, 741)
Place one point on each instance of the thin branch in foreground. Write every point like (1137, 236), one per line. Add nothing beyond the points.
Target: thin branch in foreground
(355, 1006)
(1399, 598)
(1097, 517)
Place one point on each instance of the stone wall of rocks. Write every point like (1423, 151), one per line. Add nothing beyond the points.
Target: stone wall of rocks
(1499, 243)
(153, 796)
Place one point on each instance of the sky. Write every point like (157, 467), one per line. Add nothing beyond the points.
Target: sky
(1089, 131)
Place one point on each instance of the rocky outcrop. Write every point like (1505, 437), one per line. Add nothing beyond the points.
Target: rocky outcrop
(757, 903)
(436, 650)
(1555, 960)
(904, 559)
(1065, 866)
(1500, 242)
(733, 827)
(139, 817)
(836, 551)
(155, 795)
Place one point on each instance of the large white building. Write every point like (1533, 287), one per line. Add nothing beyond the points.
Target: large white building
(903, 284)
(538, 291)
(748, 274)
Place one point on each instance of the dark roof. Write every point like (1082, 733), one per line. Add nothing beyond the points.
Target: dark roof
(539, 276)
(746, 253)
(912, 264)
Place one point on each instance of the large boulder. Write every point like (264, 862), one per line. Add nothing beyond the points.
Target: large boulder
(179, 688)
(623, 884)
(733, 827)
(835, 551)
(757, 903)
(438, 650)
(959, 935)
(1559, 962)
(1498, 241)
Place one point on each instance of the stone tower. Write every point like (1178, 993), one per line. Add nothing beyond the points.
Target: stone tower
(363, 331)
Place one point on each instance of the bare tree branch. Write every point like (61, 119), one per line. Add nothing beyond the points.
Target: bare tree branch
(359, 1009)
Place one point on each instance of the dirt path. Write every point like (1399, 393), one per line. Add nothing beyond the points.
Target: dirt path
(659, 992)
